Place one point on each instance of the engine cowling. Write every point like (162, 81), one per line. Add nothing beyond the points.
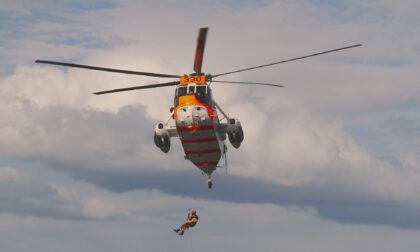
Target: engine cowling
(162, 138)
(235, 133)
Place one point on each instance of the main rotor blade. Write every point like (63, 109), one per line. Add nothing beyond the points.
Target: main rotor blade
(250, 83)
(284, 61)
(199, 52)
(167, 84)
(107, 69)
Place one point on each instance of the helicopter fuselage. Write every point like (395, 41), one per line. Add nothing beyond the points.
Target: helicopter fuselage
(196, 122)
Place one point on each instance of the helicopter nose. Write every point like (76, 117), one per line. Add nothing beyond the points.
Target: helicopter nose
(192, 115)
(184, 116)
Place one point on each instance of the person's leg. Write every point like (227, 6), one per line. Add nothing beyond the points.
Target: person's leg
(185, 226)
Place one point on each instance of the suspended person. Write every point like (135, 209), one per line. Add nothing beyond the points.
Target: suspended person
(192, 219)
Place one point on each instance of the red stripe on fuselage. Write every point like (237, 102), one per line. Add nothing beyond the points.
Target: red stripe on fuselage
(202, 151)
(203, 140)
(206, 163)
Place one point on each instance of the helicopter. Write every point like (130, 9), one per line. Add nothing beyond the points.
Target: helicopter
(195, 113)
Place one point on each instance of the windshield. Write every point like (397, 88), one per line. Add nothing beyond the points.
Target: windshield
(202, 93)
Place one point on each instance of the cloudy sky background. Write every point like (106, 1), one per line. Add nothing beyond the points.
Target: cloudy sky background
(331, 162)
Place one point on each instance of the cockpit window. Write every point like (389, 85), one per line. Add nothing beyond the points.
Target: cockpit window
(200, 90)
(203, 93)
(182, 91)
(191, 89)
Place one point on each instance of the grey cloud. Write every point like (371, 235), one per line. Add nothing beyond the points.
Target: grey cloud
(22, 195)
(394, 132)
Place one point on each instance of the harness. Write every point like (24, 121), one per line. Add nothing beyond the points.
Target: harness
(193, 220)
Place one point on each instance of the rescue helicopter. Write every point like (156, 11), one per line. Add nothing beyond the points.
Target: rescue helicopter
(198, 125)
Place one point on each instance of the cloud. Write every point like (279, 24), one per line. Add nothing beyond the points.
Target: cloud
(306, 162)
(23, 196)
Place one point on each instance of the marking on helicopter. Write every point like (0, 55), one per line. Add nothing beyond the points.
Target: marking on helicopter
(200, 79)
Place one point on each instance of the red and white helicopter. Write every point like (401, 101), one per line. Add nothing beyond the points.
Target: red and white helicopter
(197, 123)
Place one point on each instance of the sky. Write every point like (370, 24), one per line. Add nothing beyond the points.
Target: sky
(330, 162)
